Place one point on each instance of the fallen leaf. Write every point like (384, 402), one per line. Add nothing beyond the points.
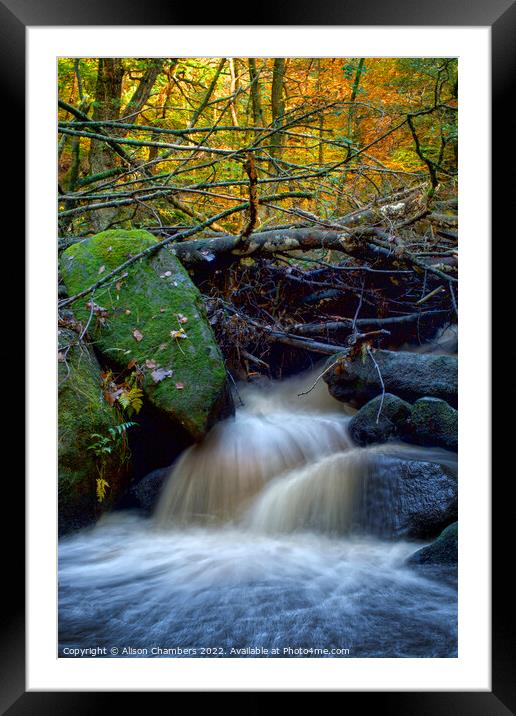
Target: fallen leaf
(181, 318)
(151, 363)
(178, 334)
(61, 357)
(131, 363)
(137, 335)
(118, 285)
(160, 374)
(102, 269)
(127, 311)
(163, 346)
(162, 310)
(180, 386)
(109, 397)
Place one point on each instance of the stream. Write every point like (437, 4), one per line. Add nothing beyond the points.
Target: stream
(270, 539)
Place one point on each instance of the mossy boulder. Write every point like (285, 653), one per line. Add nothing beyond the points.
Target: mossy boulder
(442, 551)
(367, 427)
(83, 412)
(432, 422)
(154, 316)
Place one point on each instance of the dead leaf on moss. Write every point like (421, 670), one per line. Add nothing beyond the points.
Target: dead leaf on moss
(160, 374)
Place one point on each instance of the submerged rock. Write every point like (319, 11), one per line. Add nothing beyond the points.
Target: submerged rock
(145, 493)
(432, 422)
(443, 551)
(155, 317)
(84, 419)
(408, 375)
(367, 427)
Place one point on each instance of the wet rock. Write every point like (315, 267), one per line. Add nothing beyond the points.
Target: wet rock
(431, 422)
(410, 376)
(442, 551)
(146, 492)
(367, 427)
(409, 499)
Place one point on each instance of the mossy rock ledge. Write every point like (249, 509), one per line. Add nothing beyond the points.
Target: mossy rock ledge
(155, 299)
(82, 412)
(442, 551)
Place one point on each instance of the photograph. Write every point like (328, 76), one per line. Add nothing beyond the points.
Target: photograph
(257, 357)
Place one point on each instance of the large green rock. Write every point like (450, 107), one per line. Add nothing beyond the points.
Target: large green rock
(156, 298)
(83, 412)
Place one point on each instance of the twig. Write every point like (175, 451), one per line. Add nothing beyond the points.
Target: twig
(332, 365)
(429, 295)
(369, 352)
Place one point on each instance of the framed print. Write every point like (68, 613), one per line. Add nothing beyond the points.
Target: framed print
(268, 459)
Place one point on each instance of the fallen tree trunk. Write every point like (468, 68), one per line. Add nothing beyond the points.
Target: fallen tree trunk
(369, 244)
(365, 244)
(408, 375)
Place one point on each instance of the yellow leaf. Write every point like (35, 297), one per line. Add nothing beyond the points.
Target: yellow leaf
(101, 488)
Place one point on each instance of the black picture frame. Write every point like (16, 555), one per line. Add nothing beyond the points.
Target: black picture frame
(500, 15)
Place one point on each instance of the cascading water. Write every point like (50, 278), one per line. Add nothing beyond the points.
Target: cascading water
(274, 533)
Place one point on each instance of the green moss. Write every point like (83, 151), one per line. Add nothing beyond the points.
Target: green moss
(83, 411)
(433, 422)
(153, 297)
(442, 551)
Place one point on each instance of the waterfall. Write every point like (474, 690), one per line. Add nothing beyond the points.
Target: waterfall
(272, 537)
(276, 431)
(286, 463)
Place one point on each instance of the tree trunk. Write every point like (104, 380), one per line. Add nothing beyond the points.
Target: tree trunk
(351, 130)
(255, 94)
(233, 91)
(277, 106)
(142, 92)
(208, 94)
(108, 95)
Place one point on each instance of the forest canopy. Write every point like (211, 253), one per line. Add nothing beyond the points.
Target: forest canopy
(164, 141)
